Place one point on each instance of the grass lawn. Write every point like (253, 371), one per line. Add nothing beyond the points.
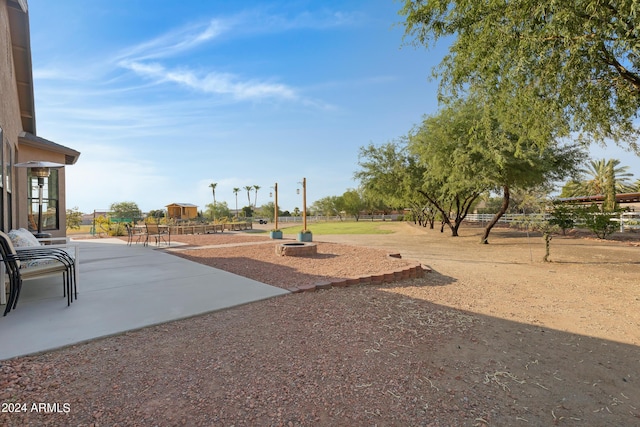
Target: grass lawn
(317, 228)
(346, 227)
(84, 229)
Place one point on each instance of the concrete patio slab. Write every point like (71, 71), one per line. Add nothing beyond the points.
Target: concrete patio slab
(120, 288)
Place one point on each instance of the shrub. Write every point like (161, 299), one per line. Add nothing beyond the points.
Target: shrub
(563, 216)
(117, 230)
(599, 222)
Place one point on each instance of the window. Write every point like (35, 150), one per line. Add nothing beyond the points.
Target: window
(50, 195)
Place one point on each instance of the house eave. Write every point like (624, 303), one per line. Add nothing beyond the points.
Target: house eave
(28, 139)
(21, 50)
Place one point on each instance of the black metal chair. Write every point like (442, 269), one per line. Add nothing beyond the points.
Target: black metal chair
(161, 233)
(36, 262)
(133, 232)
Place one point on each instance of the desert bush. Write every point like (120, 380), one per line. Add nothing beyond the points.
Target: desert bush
(563, 216)
(600, 223)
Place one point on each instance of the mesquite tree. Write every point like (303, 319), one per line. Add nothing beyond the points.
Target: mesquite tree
(553, 68)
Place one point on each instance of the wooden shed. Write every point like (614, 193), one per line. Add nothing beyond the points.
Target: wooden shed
(182, 211)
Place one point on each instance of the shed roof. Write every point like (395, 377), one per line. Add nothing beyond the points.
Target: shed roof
(183, 205)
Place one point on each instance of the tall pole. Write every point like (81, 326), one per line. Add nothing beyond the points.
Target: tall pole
(276, 207)
(304, 203)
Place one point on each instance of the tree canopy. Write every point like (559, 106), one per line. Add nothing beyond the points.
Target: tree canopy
(74, 218)
(326, 206)
(389, 173)
(548, 68)
(458, 154)
(450, 155)
(268, 210)
(218, 211)
(127, 210)
(353, 203)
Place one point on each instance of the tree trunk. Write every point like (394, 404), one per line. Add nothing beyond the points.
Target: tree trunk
(547, 245)
(497, 216)
(454, 229)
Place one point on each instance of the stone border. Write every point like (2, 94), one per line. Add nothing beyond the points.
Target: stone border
(299, 249)
(416, 270)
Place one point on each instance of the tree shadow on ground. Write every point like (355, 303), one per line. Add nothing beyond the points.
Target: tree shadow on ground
(378, 355)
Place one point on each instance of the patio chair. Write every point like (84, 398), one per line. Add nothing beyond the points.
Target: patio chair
(135, 233)
(35, 262)
(159, 233)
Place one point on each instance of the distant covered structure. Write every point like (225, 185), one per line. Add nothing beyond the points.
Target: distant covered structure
(182, 211)
(632, 199)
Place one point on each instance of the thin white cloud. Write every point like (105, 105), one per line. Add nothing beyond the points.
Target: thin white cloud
(264, 21)
(138, 58)
(110, 105)
(174, 42)
(215, 83)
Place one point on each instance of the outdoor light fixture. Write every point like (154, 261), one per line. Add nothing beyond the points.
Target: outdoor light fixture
(40, 170)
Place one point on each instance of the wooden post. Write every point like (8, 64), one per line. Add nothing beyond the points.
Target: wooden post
(304, 204)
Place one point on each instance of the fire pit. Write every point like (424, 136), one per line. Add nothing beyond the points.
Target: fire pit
(296, 249)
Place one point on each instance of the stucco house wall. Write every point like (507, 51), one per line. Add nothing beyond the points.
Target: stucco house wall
(20, 142)
(10, 119)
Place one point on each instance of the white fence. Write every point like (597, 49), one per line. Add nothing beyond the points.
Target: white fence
(317, 218)
(629, 221)
(506, 218)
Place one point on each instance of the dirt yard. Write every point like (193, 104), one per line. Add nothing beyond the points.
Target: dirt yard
(492, 336)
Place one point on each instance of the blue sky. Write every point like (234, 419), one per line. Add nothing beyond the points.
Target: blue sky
(163, 98)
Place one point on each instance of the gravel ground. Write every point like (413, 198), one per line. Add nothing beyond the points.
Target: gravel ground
(260, 262)
(488, 338)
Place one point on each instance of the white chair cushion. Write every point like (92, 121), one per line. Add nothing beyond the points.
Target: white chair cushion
(22, 238)
(35, 263)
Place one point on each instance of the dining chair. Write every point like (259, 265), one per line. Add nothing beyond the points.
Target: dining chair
(160, 233)
(134, 232)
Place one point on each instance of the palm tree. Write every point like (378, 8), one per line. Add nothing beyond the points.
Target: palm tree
(609, 203)
(255, 199)
(249, 188)
(213, 186)
(596, 179)
(236, 190)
